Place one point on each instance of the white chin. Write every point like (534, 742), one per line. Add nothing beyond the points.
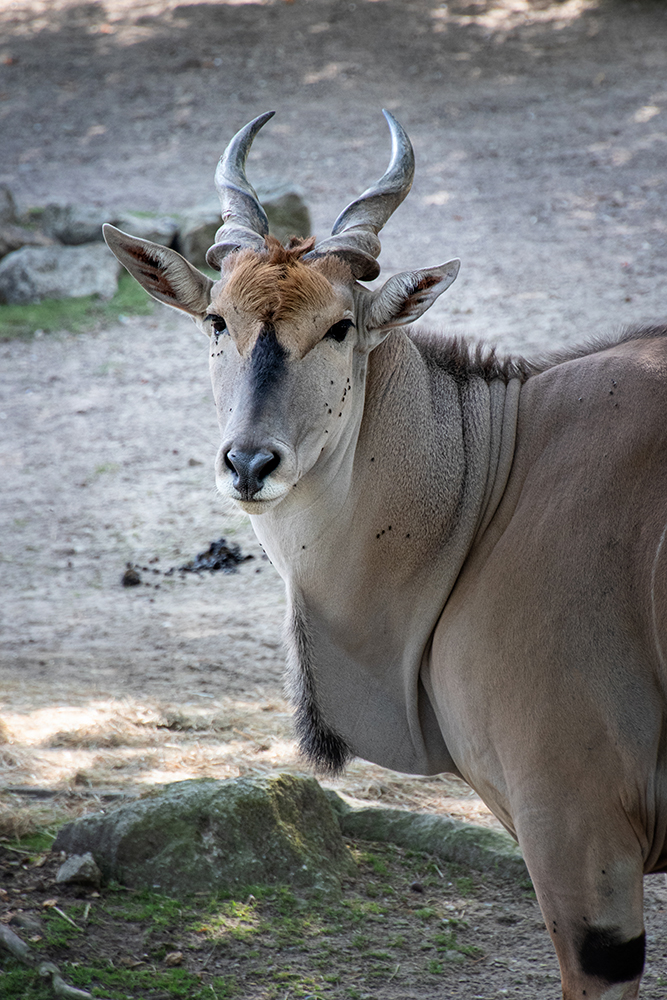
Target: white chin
(268, 497)
(257, 506)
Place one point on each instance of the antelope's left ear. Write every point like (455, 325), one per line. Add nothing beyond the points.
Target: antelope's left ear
(164, 274)
(405, 297)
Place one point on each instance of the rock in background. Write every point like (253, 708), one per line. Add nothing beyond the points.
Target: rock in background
(14, 237)
(217, 836)
(283, 203)
(161, 230)
(73, 225)
(8, 210)
(285, 208)
(78, 263)
(57, 272)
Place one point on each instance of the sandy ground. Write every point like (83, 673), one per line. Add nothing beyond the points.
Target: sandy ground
(540, 131)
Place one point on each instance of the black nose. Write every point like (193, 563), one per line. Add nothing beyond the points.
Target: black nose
(250, 469)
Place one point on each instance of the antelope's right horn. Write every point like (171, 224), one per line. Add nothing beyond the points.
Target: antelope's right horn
(244, 221)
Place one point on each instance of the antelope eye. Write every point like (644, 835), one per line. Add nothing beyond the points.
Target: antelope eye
(217, 322)
(339, 330)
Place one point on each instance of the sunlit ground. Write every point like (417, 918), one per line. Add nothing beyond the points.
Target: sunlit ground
(125, 746)
(493, 15)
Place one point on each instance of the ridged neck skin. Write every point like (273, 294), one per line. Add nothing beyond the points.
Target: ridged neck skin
(371, 541)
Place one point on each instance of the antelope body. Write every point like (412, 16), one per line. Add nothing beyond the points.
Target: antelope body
(474, 550)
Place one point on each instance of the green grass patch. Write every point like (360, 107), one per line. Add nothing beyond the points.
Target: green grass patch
(377, 864)
(75, 315)
(151, 907)
(464, 885)
(265, 941)
(116, 984)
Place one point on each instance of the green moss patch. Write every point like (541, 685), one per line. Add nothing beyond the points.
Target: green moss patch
(74, 315)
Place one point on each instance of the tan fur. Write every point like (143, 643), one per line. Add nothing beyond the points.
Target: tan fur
(474, 556)
(275, 285)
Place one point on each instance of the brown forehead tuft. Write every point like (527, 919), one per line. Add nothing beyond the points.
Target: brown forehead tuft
(275, 284)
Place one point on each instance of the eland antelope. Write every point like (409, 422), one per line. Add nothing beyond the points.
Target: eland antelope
(473, 548)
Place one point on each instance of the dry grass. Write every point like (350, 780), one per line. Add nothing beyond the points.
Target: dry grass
(127, 746)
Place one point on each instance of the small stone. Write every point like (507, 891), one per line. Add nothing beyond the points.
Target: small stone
(416, 887)
(26, 922)
(455, 957)
(130, 577)
(173, 958)
(80, 869)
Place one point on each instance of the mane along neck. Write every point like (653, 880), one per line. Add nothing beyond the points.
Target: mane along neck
(463, 360)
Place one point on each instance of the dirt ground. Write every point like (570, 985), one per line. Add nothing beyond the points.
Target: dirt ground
(540, 134)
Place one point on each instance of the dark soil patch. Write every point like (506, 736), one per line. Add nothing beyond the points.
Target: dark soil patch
(405, 926)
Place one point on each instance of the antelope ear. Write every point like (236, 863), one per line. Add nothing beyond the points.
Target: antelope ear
(164, 274)
(405, 297)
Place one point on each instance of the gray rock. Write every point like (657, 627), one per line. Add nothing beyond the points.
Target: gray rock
(285, 209)
(217, 836)
(197, 232)
(80, 869)
(35, 273)
(74, 224)
(14, 237)
(27, 922)
(8, 212)
(452, 840)
(160, 230)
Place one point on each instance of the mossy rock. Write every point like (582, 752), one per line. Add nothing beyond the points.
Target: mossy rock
(452, 840)
(217, 836)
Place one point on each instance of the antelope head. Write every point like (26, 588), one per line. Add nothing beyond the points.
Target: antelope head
(290, 327)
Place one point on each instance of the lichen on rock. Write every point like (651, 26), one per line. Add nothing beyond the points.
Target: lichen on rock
(217, 836)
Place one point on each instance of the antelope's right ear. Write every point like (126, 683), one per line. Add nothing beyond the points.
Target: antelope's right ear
(164, 274)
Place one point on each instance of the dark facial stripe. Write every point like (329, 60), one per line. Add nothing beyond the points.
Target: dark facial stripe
(267, 364)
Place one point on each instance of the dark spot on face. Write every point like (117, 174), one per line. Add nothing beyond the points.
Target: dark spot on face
(606, 956)
(329, 411)
(408, 535)
(377, 536)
